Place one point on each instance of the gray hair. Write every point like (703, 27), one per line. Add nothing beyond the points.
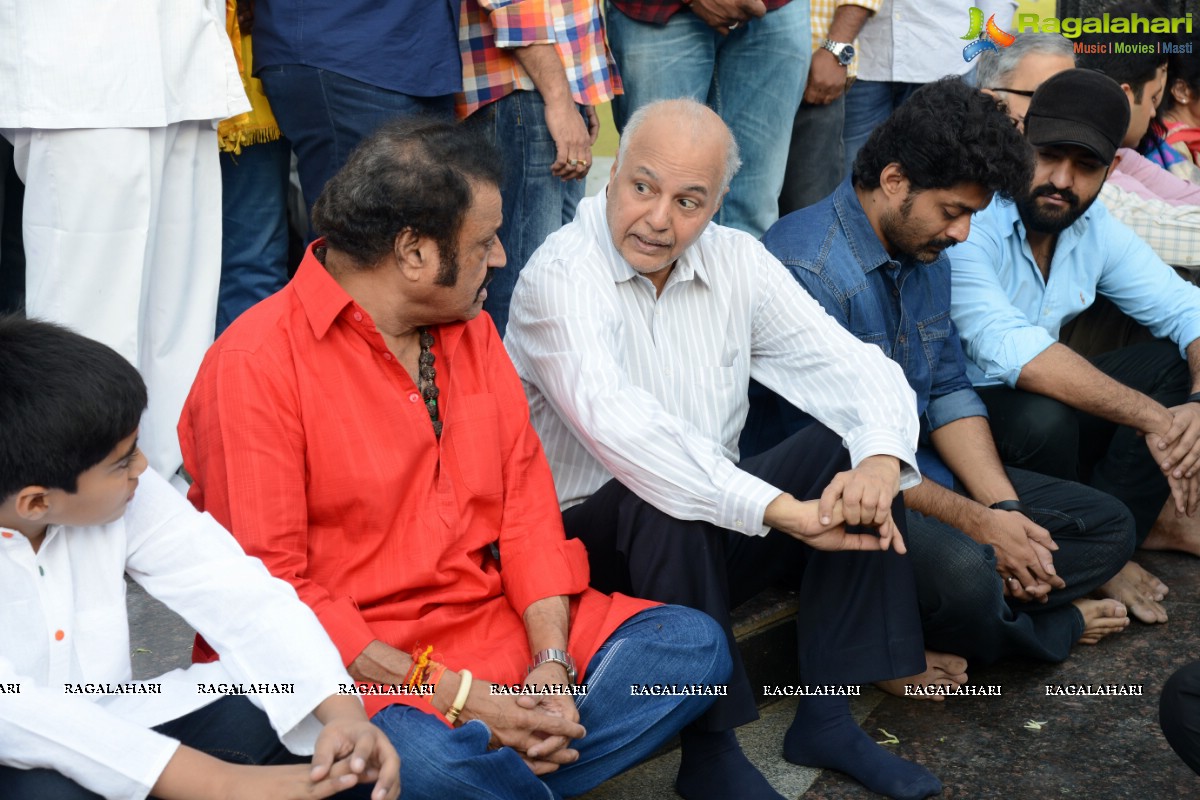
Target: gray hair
(994, 66)
(695, 115)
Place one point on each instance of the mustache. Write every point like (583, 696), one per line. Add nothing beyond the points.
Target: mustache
(491, 273)
(1048, 189)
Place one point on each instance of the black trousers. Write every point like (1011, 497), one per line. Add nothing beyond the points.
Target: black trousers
(1179, 714)
(232, 729)
(858, 620)
(1041, 434)
(963, 607)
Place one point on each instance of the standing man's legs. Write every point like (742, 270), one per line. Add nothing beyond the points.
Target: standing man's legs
(254, 233)
(325, 115)
(660, 62)
(869, 103)
(815, 163)
(761, 70)
(536, 202)
(123, 242)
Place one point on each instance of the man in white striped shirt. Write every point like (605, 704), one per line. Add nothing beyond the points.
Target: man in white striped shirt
(636, 330)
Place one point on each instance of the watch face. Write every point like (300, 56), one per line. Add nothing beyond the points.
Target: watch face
(847, 54)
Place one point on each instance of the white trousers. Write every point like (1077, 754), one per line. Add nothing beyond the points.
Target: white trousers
(123, 245)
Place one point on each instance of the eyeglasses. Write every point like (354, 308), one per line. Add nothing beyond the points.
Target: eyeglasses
(1022, 92)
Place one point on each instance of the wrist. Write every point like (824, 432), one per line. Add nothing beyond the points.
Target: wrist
(444, 691)
(1010, 505)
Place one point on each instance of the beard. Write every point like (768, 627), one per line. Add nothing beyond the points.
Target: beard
(1042, 219)
(896, 229)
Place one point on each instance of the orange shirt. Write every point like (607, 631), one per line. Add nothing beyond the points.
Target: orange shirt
(311, 444)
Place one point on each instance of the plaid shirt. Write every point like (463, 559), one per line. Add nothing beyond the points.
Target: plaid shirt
(488, 28)
(659, 11)
(821, 16)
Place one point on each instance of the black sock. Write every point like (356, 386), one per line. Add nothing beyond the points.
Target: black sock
(825, 735)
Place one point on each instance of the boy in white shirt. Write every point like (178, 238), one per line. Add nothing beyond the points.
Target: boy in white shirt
(73, 723)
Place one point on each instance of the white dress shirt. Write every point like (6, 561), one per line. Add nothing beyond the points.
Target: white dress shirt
(63, 621)
(116, 64)
(918, 42)
(652, 390)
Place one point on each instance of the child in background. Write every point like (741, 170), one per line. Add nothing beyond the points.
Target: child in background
(1181, 102)
(71, 528)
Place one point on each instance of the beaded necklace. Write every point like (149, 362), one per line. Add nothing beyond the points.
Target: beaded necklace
(427, 380)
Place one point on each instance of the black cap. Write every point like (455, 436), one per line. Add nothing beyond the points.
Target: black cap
(1081, 107)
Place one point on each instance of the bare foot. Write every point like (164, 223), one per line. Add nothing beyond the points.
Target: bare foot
(1140, 591)
(1173, 532)
(1100, 618)
(941, 669)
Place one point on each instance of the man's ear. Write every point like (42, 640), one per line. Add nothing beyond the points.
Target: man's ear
(32, 503)
(893, 181)
(412, 252)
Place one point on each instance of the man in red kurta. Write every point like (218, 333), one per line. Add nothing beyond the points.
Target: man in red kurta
(364, 434)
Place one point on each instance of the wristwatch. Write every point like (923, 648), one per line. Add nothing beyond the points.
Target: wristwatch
(842, 51)
(558, 657)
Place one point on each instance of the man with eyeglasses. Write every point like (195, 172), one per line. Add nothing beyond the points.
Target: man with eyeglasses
(1126, 421)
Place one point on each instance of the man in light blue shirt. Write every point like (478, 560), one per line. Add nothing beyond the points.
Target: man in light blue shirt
(1031, 266)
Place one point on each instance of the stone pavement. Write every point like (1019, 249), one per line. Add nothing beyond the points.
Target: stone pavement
(1097, 748)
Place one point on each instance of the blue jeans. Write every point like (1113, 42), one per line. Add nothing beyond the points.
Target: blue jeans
(869, 103)
(664, 645)
(536, 203)
(963, 607)
(325, 115)
(254, 232)
(815, 161)
(754, 78)
(232, 729)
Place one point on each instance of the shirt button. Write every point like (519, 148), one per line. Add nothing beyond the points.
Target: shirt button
(739, 524)
(414, 397)
(41, 571)
(387, 356)
(895, 292)
(358, 316)
(59, 635)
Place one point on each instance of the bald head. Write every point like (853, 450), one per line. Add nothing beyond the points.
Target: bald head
(683, 121)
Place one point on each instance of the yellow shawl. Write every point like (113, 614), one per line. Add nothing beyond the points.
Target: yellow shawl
(258, 124)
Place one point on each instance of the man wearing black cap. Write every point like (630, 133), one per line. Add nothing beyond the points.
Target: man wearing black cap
(1031, 266)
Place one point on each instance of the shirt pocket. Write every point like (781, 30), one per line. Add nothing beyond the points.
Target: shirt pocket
(474, 434)
(102, 643)
(933, 332)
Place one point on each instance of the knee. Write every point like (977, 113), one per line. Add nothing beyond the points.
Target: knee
(1179, 712)
(1043, 427)
(956, 577)
(701, 645)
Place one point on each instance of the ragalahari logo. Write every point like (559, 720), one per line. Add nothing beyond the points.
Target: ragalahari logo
(984, 37)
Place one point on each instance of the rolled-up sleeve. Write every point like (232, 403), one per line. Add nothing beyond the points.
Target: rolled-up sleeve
(520, 23)
(951, 396)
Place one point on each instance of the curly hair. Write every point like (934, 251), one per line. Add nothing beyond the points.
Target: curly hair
(411, 174)
(947, 134)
